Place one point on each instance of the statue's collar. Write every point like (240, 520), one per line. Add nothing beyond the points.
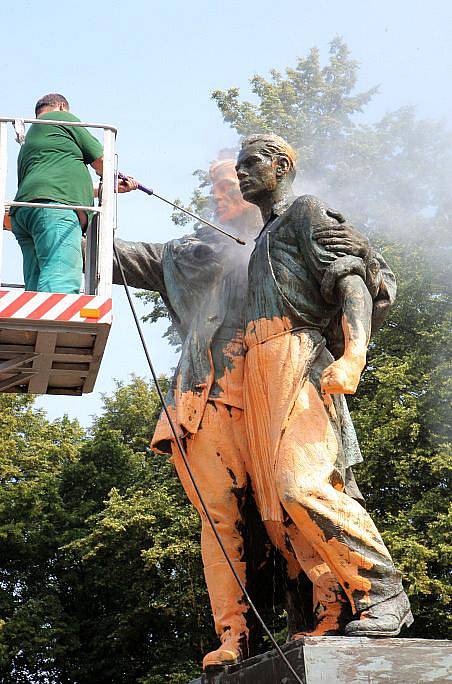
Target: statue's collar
(277, 210)
(283, 204)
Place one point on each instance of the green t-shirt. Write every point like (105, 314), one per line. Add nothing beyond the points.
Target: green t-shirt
(52, 162)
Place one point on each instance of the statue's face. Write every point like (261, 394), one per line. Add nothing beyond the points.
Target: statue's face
(229, 203)
(256, 173)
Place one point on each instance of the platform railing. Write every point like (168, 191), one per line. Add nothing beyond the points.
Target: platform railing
(99, 252)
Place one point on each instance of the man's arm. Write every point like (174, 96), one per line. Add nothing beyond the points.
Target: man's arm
(342, 283)
(124, 184)
(342, 376)
(98, 166)
(343, 238)
(7, 220)
(188, 261)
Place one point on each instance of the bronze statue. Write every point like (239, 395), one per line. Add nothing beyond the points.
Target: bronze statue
(202, 279)
(299, 431)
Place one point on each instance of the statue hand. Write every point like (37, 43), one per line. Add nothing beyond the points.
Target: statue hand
(342, 376)
(342, 237)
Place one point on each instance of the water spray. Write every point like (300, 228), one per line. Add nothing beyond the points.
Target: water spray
(149, 191)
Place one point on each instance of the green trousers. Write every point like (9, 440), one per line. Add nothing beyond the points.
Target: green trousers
(50, 240)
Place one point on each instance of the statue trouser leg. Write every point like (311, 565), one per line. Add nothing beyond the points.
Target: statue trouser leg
(217, 462)
(330, 603)
(336, 525)
(294, 465)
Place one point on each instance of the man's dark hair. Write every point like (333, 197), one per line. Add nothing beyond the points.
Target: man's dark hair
(273, 145)
(50, 100)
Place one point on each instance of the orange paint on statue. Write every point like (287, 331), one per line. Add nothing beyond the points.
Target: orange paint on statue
(217, 451)
(186, 412)
(263, 329)
(230, 207)
(343, 375)
(330, 603)
(308, 451)
(232, 381)
(269, 395)
(217, 454)
(295, 449)
(331, 606)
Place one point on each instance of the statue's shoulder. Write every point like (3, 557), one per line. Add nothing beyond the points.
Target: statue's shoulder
(185, 244)
(191, 254)
(309, 203)
(309, 211)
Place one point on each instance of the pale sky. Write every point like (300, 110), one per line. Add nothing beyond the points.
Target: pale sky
(150, 67)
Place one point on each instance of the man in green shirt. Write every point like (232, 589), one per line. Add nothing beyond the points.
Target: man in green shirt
(53, 167)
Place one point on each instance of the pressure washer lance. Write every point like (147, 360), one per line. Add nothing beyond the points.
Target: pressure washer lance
(149, 191)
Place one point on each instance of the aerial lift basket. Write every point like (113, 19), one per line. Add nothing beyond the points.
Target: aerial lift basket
(53, 343)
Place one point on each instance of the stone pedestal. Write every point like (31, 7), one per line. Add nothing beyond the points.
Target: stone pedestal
(345, 660)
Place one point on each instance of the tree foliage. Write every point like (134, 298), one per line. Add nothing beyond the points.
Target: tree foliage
(33, 454)
(101, 576)
(391, 178)
(101, 572)
(311, 107)
(403, 423)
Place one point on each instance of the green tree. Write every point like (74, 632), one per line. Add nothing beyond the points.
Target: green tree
(33, 454)
(136, 584)
(101, 576)
(392, 179)
(401, 415)
(101, 572)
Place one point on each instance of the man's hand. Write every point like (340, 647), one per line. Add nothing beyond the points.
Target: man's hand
(342, 237)
(7, 221)
(342, 376)
(127, 184)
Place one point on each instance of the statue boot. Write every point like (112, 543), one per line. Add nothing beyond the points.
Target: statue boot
(332, 609)
(229, 608)
(383, 619)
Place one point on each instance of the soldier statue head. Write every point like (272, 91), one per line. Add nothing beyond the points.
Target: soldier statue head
(265, 169)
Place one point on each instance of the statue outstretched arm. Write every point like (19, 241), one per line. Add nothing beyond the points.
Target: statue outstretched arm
(142, 263)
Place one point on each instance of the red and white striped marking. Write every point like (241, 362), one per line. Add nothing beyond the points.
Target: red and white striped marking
(46, 306)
